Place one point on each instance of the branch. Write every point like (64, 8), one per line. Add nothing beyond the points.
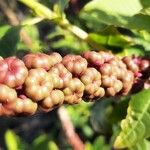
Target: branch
(72, 137)
(46, 13)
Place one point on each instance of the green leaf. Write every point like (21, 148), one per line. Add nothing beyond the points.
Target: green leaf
(117, 40)
(88, 146)
(63, 39)
(136, 125)
(52, 146)
(11, 140)
(130, 51)
(100, 144)
(146, 11)
(41, 142)
(9, 41)
(33, 33)
(4, 29)
(141, 145)
(119, 13)
(63, 4)
(119, 110)
(99, 116)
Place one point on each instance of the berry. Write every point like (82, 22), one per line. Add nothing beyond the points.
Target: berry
(29, 107)
(55, 58)
(22, 106)
(7, 94)
(93, 58)
(61, 76)
(106, 69)
(75, 64)
(74, 92)
(39, 60)
(110, 91)
(118, 85)
(92, 81)
(130, 64)
(12, 72)
(4, 111)
(38, 84)
(91, 75)
(107, 81)
(107, 56)
(54, 100)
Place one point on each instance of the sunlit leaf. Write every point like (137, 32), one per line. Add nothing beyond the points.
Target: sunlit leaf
(52, 146)
(119, 13)
(136, 125)
(110, 40)
(11, 140)
(41, 142)
(141, 145)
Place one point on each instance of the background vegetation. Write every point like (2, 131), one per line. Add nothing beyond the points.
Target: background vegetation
(122, 26)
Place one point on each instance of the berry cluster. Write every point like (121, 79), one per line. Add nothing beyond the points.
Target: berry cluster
(43, 82)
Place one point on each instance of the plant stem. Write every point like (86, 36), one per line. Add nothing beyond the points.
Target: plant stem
(45, 13)
(72, 137)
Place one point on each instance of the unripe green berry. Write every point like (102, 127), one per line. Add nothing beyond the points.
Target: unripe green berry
(7, 94)
(54, 100)
(62, 74)
(38, 84)
(74, 92)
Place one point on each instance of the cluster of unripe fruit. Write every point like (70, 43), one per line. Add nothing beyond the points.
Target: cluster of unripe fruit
(43, 82)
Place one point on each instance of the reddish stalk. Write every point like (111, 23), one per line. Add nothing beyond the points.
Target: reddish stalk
(72, 137)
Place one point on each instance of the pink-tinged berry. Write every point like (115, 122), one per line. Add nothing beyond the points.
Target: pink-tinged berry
(7, 94)
(93, 58)
(39, 60)
(75, 64)
(12, 72)
(60, 75)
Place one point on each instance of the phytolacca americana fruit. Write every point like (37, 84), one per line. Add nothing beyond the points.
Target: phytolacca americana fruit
(24, 106)
(60, 75)
(93, 58)
(55, 99)
(55, 58)
(12, 72)
(128, 81)
(4, 111)
(75, 64)
(7, 94)
(92, 81)
(41, 60)
(131, 65)
(38, 84)
(21, 106)
(74, 92)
